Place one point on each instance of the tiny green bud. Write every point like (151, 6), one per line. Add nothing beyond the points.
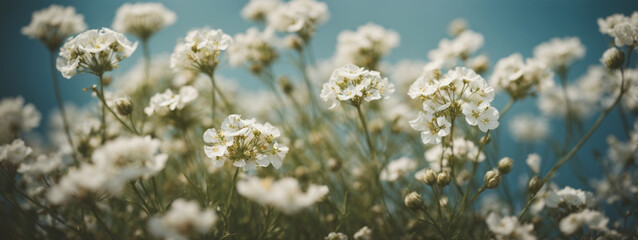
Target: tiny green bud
(491, 179)
(443, 179)
(505, 165)
(430, 177)
(124, 106)
(612, 58)
(535, 184)
(413, 201)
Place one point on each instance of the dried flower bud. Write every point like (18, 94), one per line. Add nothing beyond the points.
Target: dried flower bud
(612, 58)
(124, 106)
(413, 201)
(443, 179)
(492, 178)
(535, 184)
(505, 165)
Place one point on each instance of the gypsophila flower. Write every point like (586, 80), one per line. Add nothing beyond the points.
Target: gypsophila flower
(460, 148)
(527, 128)
(520, 78)
(533, 161)
(624, 29)
(183, 219)
(94, 51)
(78, 183)
(397, 168)
(15, 153)
(200, 50)
(163, 103)
(559, 53)
(594, 220)
(142, 19)
(258, 10)
(300, 16)
(459, 92)
(509, 227)
(245, 143)
(336, 236)
(365, 233)
(366, 46)
(16, 117)
(134, 82)
(460, 48)
(284, 194)
(54, 24)
(39, 166)
(569, 197)
(457, 26)
(354, 85)
(254, 49)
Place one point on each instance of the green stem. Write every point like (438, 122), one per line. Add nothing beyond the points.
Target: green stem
(103, 117)
(230, 196)
(507, 107)
(58, 98)
(211, 75)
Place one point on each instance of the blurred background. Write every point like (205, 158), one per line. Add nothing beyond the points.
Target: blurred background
(508, 27)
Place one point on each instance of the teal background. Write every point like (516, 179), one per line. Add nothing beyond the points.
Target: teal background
(508, 26)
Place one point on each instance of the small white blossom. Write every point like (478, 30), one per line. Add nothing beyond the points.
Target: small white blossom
(460, 48)
(527, 128)
(258, 10)
(54, 24)
(354, 85)
(16, 117)
(142, 19)
(520, 78)
(14, 153)
(302, 16)
(509, 227)
(163, 103)
(593, 219)
(460, 148)
(457, 26)
(253, 48)
(39, 166)
(559, 53)
(624, 29)
(366, 46)
(397, 169)
(78, 183)
(183, 219)
(533, 161)
(285, 194)
(336, 236)
(200, 50)
(365, 233)
(569, 197)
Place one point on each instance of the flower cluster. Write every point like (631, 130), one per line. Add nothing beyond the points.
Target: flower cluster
(594, 220)
(459, 92)
(258, 10)
(16, 117)
(245, 143)
(460, 148)
(366, 46)
(166, 102)
(14, 153)
(200, 50)
(94, 51)
(354, 85)
(622, 28)
(461, 47)
(284, 194)
(54, 24)
(397, 169)
(254, 49)
(300, 16)
(183, 219)
(509, 227)
(142, 19)
(559, 53)
(519, 78)
(569, 197)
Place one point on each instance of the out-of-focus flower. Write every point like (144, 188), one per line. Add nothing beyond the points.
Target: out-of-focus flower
(94, 51)
(200, 50)
(460, 148)
(595, 220)
(183, 219)
(39, 166)
(397, 169)
(254, 49)
(354, 85)
(142, 19)
(245, 143)
(534, 162)
(569, 197)
(163, 103)
(258, 10)
(457, 26)
(300, 16)
(366, 46)
(16, 117)
(613, 58)
(509, 227)
(559, 53)
(365, 233)
(336, 236)
(460, 48)
(520, 78)
(285, 194)
(78, 183)
(527, 128)
(14, 153)
(54, 24)
(622, 28)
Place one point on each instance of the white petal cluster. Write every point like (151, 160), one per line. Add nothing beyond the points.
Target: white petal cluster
(183, 219)
(366, 46)
(624, 29)
(521, 78)
(142, 19)
(257, 10)
(559, 53)
(528, 128)
(134, 82)
(594, 220)
(397, 169)
(14, 153)
(94, 51)
(459, 92)
(253, 48)
(78, 183)
(301, 16)
(245, 143)
(336, 236)
(460, 148)
(39, 166)
(16, 117)
(354, 85)
(54, 24)
(365, 233)
(569, 197)
(459, 48)
(200, 50)
(405, 72)
(533, 161)
(457, 26)
(166, 102)
(509, 227)
(284, 194)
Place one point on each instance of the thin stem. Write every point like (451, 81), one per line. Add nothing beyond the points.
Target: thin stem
(100, 96)
(232, 191)
(365, 130)
(103, 107)
(58, 98)
(100, 221)
(507, 107)
(562, 73)
(211, 75)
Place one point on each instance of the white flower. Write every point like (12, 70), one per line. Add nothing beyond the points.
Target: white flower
(606, 26)
(560, 53)
(285, 194)
(354, 85)
(534, 162)
(405, 72)
(14, 153)
(336, 236)
(39, 166)
(301, 16)
(16, 117)
(520, 78)
(569, 197)
(134, 81)
(366, 46)
(509, 227)
(253, 48)
(365, 233)
(527, 128)
(200, 50)
(460, 48)
(460, 148)
(593, 219)
(54, 24)
(257, 10)
(142, 19)
(457, 26)
(183, 219)
(94, 51)
(397, 168)
(163, 103)
(245, 143)
(78, 183)
(622, 28)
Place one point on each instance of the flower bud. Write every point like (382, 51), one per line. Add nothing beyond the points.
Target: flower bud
(485, 140)
(413, 201)
(286, 85)
(491, 179)
(124, 106)
(430, 177)
(334, 165)
(612, 58)
(505, 165)
(535, 184)
(443, 179)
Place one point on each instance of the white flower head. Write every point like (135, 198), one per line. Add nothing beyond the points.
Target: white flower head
(354, 85)
(285, 194)
(365, 233)
(624, 29)
(397, 169)
(568, 197)
(253, 48)
(366, 46)
(163, 103)
(200, 50)
(54, 24)
(593, 219)
(560, 53)
(460, 48)
(521, 79)
(142, 19)
(300, 16)
(461, 149)
(183, 219)
(527, 128)
(94, 51)
(336, 236)
(533, 161)
(509, 228)
(16, 117)
(258, 10)
(14, 153)
(78, 183)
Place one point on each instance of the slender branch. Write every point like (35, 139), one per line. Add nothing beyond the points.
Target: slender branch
(507, 107)
(58, 98)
